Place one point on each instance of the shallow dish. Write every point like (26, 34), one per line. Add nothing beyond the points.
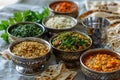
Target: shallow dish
(98, 73)
(30, 64)
(25, 29)
(59, 23)
(69, 8)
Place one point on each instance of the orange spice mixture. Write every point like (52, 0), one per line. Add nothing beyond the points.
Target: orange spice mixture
(63, 7)
(102, 62)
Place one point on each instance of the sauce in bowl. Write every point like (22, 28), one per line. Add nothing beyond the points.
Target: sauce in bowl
(63, 6)
(102, 62)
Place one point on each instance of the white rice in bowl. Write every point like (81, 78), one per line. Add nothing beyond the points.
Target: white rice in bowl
(60, 22)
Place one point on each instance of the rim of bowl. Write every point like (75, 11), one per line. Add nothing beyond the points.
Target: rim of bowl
(71, 51)
(59, 1)
(47, 44)
(37, 24)
(46, 19)
(97, 49)
(94, 17)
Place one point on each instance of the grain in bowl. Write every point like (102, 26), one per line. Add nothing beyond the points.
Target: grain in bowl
(29, 49)
(60, 22)
(30, 55)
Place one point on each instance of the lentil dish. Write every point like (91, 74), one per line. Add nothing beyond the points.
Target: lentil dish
(71, 41)
(102, 62)
(29, 49)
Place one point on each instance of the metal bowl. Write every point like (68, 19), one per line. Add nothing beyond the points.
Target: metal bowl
(70, 58)
(97, 75)
(30, 66)
(74, 13)
(13, 38)
(53, 30)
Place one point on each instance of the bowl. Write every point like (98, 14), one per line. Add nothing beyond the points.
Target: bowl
(59, 23)
(69, 8)
(104, 68)
(30, 55)
(25, 29)
(69, 45)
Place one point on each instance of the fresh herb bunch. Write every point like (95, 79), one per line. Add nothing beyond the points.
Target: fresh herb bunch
(26, 30)
(26, 15)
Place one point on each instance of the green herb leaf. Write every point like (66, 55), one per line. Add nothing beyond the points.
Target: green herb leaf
(5, 23)
(2, 27)
(11, 21)
(5, 37)
(18, 16)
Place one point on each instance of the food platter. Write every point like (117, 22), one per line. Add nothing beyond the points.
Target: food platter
(53, 61)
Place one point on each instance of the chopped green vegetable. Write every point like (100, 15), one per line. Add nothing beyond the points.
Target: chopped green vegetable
(71, 41)
(27, 15)
(26, 30)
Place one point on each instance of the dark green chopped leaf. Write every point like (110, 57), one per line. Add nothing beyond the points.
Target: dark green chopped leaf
(26, 30)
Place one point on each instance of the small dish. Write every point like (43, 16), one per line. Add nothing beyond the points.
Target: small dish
(25, 29)
(100, 64)
(67, 46)
(59, 23)
(30, 55)
(69, 8)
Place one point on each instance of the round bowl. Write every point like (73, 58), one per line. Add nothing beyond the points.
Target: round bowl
(33, 63)
(69, 8)
(16, 36)
(69, 57)
(59, 23)
(97, 72)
